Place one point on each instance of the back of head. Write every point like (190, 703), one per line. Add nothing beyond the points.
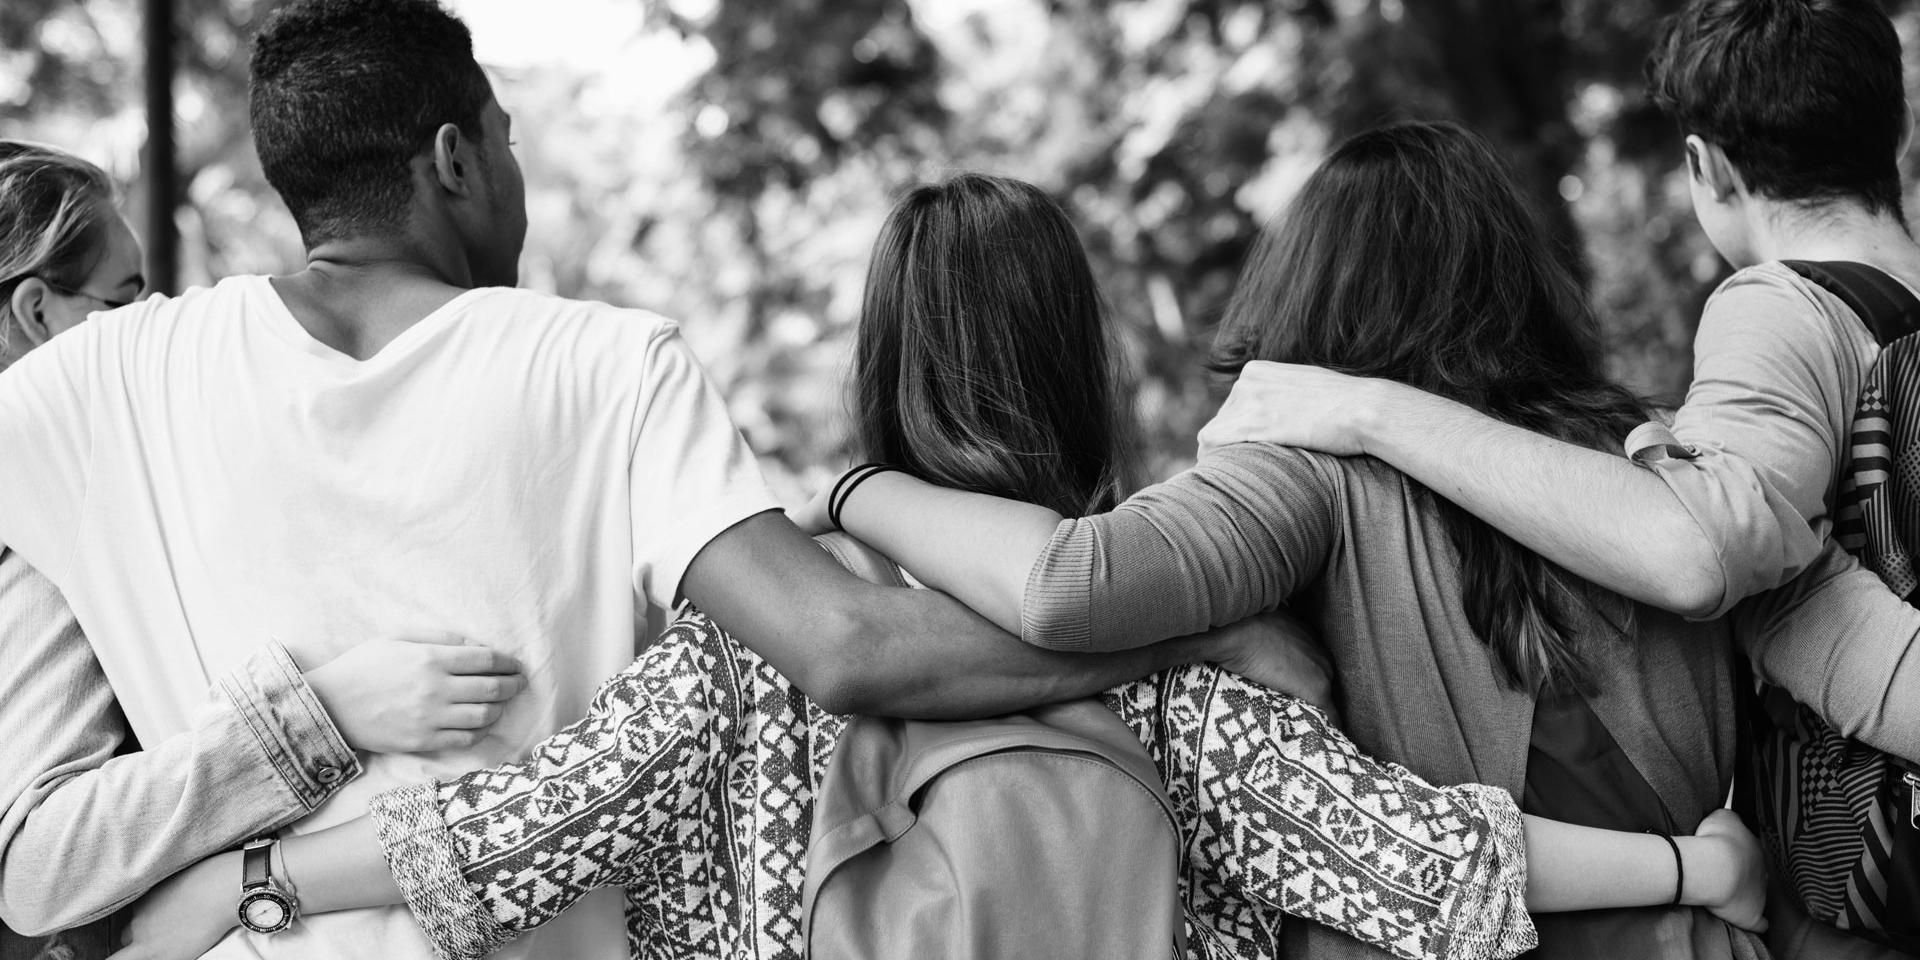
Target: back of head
(1806, 97)
(983, 356)
(1411, 254)
(53, 210)
(345, 93)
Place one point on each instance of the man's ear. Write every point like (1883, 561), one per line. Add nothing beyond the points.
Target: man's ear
(1709, 166)
(452, 159)
(29, 310)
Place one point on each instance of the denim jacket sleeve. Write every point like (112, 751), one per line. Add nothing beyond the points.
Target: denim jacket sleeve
(83, 831)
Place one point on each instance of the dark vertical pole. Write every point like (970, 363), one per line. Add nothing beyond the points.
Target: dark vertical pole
(163, 244)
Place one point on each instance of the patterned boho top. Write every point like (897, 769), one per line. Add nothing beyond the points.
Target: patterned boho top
(691, 784)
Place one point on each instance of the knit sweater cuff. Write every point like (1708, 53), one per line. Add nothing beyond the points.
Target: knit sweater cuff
(1488, 919)
(420, 853)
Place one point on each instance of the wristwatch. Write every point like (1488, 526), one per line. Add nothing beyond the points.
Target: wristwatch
(265, 905)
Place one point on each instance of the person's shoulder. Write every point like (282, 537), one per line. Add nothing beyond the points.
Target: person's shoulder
(1775, 308)
(532, 309)
(114, 336)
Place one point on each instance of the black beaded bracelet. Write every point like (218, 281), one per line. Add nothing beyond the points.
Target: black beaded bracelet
(1679, 864)
(837, 499)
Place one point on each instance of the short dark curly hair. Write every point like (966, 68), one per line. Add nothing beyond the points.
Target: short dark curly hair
(1805, 96)
(345, 93)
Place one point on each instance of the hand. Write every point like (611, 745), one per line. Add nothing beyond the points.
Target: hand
(1308, 407)
(406, 696)
(186, 914)
(1726, 872)
(812, 518)
(1277, 651)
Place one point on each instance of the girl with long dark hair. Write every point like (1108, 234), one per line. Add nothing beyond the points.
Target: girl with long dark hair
(983, 362)
(1409, 255)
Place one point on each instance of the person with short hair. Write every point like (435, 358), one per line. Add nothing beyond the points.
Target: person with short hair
(89, 818)
(1793, 117)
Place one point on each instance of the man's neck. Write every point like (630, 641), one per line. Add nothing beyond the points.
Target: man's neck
(357, 296)
(1846, 231)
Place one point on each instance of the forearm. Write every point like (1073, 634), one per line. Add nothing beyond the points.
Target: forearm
(339, 868)
(1595, 514)
(974, 547)
(1570, 867)
(928, 657)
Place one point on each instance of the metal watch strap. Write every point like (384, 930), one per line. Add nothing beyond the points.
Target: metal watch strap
(256, 863)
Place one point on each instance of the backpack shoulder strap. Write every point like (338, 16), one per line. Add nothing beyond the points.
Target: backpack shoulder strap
(1884, 304)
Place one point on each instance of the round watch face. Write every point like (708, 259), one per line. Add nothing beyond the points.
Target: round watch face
(265, 911)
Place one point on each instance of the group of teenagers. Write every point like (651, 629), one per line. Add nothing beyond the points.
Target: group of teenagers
(340, 566)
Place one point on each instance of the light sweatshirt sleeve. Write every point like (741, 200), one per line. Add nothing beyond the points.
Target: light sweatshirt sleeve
(1843, 644)
(1232, 537)
(83, 832)
(1758, 434)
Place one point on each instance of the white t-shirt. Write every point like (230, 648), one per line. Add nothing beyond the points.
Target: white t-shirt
(199, 473)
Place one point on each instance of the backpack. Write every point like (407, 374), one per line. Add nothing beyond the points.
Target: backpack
(1041, 834)
(1841, 819)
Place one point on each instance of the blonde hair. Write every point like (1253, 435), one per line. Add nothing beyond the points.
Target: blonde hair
(52, 223)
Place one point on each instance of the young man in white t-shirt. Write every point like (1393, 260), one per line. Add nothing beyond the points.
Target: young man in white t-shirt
(393, 442)
(1794, 117)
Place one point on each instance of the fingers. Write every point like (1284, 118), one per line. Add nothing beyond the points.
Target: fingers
(476, 660)
(469, 716)
(485, 689)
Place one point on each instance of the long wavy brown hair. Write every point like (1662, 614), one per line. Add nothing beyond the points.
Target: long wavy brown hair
(1412, 255)
(984, 360)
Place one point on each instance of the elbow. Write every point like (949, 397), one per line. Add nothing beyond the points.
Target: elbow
(1697, 592)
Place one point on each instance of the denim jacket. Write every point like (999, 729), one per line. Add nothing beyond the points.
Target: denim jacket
(84, 832)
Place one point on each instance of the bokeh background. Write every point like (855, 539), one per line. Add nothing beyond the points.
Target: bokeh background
(728, 162)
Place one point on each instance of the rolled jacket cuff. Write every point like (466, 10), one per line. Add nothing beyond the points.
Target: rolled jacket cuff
(293, 729)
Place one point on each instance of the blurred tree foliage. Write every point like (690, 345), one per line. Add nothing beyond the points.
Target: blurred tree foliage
(731, 169)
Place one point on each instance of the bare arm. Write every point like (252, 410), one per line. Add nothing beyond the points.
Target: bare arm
(859, 648)
(1571, 867)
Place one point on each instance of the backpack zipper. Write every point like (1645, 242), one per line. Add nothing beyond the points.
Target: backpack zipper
(1913, 788)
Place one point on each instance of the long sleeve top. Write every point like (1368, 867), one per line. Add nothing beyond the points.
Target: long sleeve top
(83, 831)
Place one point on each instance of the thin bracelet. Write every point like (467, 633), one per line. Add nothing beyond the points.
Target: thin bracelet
(837, 495)
(847, 494)
(834, 496)
(1679, 864)
(841, 480)
(285, 875)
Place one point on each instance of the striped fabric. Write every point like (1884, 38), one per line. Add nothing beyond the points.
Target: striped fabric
(1842, 819)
